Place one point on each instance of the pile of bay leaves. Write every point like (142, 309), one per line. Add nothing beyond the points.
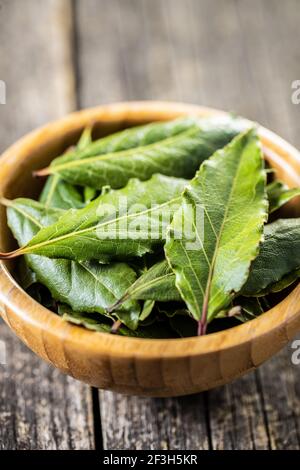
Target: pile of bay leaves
(158, 230)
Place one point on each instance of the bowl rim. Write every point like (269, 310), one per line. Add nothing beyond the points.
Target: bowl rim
(32, 313)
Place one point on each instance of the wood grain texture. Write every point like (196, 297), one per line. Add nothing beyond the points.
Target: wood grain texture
(236, 416)
(39, 407)
(225, 54)
(35, 64)
(154, 423)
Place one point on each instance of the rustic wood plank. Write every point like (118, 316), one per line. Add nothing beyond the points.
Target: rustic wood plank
(99, 59)
(236, 416)
(35, 64)
(153, 423)
(280, 385)
(39, 407)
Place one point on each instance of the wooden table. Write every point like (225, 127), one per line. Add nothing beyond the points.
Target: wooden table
(59, 55)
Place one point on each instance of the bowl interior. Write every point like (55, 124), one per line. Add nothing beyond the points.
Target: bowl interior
(20, 182)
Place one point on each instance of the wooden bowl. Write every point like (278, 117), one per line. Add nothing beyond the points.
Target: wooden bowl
(129, 365)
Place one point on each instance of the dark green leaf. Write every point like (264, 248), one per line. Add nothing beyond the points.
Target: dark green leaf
(128, 139)
(251, 307)
(184, 325)
(97, 323)
(279, 194)
(60, 194)
(156, 283)
(279, 255)
(285, 282)
(25, 275)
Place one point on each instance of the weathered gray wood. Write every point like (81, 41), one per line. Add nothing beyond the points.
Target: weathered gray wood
(227, 54)
(149, 423)
(39, 407)
(236, 416)
(280, 393)
(35, 63)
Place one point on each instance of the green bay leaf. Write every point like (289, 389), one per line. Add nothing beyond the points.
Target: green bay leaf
(118, 225)
(286, 281)
(175, 154)
(276, 267)
(157, 283)
(85, 286)
(61, 194)
(279, 256)
(127, 139)
(228, 195)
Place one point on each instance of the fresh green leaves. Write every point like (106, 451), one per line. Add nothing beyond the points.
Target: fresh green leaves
(279, 256)
(98, 323)
(125, 140)
(173, 150)
(58, 193)
(85, 286)
(117, 225)
(215, 234)
(158, 256)
(157, 283)
(276, 267)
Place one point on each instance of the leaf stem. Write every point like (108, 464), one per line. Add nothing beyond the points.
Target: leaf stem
(42, 172)
(202, 323)
(117, 304)
(116, 326)
(201, 328)
(5, 202)
(11, 254)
